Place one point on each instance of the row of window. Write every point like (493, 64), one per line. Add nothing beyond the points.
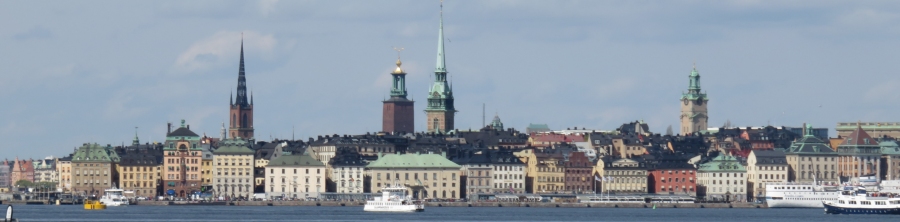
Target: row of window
(283, 171)
(434, 176)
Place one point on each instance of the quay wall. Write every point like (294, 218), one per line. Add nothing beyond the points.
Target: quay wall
(470, 204)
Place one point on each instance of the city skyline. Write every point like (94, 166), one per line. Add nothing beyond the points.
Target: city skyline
(323, 67)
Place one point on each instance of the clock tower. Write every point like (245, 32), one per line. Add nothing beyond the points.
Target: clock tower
(693, 106)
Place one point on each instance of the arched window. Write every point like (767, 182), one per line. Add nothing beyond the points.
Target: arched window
(244, 121)
(435, 124)
(233, 121)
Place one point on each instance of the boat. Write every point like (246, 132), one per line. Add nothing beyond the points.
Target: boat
(800, 195)
(858, 201)
(394, 199)
(94, 205)
(114, 197)
(9, 215)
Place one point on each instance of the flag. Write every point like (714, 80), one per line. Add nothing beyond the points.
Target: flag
(598, 178)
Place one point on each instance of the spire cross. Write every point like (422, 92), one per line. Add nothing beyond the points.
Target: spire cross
(398, 51)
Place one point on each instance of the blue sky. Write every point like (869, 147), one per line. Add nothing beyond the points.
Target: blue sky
(91, 71)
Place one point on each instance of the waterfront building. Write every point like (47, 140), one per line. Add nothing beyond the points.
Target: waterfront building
(263, 153)
(241, 109)
(811, 158)
(206, 167)
(859, 155)
(440, 111)
(348, 172)
(398, 112)
(672, 174)
(624, 175)
(578, 173)
(181, 165)
(22, 170)
(890, 160)
(694, 115)
(548, 168)
(765, 167)
(64, 170)
(723, 178)
(233, 166)
(475, 175)
(45, 170)
(508, 173)
(874, 129)
(295, 176)
(94, 169)
(429, 176)
(139, 169)
(4, 175)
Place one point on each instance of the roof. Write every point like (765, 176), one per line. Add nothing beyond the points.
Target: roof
(95, 153)
(182, 131)
(413, 160)
(769, 156)
(859, 137)
(810, 145)
(295, 160)
(722, 163)
(233, 147)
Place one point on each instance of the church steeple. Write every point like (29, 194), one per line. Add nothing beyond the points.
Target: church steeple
(136, 141)
(440, 110)
(242, 83)
(241, 109)
(441, 62)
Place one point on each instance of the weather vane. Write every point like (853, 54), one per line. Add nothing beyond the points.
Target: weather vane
(398, 51)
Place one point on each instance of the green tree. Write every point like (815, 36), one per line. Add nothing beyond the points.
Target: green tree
(24, 183)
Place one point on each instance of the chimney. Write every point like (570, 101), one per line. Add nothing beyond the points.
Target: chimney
(189, 126)
(168, 128)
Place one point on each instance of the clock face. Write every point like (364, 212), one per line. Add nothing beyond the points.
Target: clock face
(685, 101)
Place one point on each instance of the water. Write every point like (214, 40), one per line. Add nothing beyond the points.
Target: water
(29, 213)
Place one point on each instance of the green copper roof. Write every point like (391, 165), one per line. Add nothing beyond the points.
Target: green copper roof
(413, 160)
(889, 148)
(440, 95)
(233, 147)
(95, 153)
(722, 163)
(295, 160)
(694, 92)
(441, 67)
(810, 144)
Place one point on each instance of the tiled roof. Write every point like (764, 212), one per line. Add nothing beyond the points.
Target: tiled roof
(413, 160)
(295, 160)
(233, 147)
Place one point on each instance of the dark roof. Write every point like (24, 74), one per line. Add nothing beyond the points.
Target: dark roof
(769, 157)
(181, 131)
(346, 156)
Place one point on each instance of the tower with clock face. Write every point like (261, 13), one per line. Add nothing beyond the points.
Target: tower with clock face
(694, 116)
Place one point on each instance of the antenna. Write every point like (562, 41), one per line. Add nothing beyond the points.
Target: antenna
(483, 123)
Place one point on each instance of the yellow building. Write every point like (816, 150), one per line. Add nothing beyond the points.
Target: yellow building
(64, 169)
(429, 176)
(549, 172)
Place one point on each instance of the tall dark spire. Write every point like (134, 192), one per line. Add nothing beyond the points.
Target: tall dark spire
(242, 82)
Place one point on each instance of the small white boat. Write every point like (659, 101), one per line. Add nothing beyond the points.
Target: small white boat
(394, 199)
(114, 197)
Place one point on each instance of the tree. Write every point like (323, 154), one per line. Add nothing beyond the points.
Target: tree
(24, 184)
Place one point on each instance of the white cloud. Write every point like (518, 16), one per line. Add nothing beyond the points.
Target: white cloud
(267, 6)
(223, 48)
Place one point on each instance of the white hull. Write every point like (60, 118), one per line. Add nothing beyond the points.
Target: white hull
(396, 208)
(110, 203)
(794, 203)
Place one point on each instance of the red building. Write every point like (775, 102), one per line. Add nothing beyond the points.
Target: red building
(22, 170)
(578, 173)
(675, 177)
(398, 114)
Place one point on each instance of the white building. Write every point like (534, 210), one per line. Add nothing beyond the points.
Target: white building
(508, 173)
(233, 168)
(347, 172)
(295, 176)
(724, 178)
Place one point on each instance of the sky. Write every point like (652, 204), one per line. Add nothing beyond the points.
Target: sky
(74, 72)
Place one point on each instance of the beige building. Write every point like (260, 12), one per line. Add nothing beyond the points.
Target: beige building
(348, 172)
(623, 176)
(859, 155)
(811, 159)
(723, 179)
(694, 116)
(94, 169)
(295, 176)
(765, 167)
(64, 169)
(139, 172)
(233, 167)
(548, 168)
(874, 129)
(428, 176)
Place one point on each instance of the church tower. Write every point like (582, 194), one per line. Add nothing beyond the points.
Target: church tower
(398, 114)
(693, 106)
(440, 110)
(241, 109)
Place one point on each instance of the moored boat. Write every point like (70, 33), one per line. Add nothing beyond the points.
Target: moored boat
(394, 199)
(94, 205)
(114, 197)
(858, 201)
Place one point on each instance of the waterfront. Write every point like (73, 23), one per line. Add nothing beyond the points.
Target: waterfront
(220, 213)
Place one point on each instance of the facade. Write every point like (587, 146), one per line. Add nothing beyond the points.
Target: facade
(624, 176)
(811, 159)
(724, 179)
(182, 157)
(890, 160)
(348, 172)
(429, 176)
(64, 170)
(859, 155)
(398, 112)
(694, 115)
(4, 175)
(94, 169)
(233, 167)
(508, 173)
(578, 173)
(241, 109)
(475, 174)
(206, 168)
(874, 129)
(21, 170)
(673, 177)
(295, 176)
(765, 167)
(440, 111)
(549, 172)
(45, 170)
(140, 168)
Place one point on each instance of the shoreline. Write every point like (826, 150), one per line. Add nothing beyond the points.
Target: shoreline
(438, 204)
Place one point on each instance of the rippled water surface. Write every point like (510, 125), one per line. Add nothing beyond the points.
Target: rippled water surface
(263, 213)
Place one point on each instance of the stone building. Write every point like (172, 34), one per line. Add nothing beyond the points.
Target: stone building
(890, 160)
(874, 129)
(624, 176)
(578, 173)
(398, 112)
(723, 179)
(765, 167)
(858, 155)
(694, 115)
(348, 172)
(182, 157)
(21, 170)
(241, 109)
(64, 170)
(475, 175)
(812, 159)
(508, 174)
(440, 112)
(672, 175)
(45, 170)
(4, 175)
(548, 168)
(140, 168)
(233, 167)
(295, 176)
(94, 169)
(428, 176)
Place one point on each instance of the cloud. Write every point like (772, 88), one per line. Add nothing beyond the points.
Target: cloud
(36, 32)
(223, 48)
(267, 6)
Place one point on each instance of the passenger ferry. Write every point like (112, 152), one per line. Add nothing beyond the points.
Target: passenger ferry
(114, 197)
(858, 201)
(394, 199)
(800, 195)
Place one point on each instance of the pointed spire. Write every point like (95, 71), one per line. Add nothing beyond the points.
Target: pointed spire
(242, 81)
(136, 141)
(441, 66)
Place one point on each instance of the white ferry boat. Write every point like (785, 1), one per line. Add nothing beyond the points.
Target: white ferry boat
(800, 195)
(858, 201)
(394, 199)
(114, 197)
